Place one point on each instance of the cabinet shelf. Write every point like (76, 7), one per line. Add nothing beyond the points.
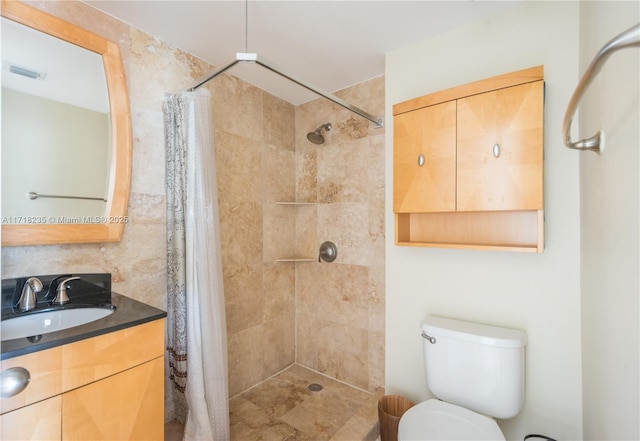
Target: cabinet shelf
(492, 230)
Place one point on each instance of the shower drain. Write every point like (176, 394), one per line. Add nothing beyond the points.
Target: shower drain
(315, 387)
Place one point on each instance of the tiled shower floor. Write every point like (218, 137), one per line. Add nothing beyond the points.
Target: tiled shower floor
(283, 408)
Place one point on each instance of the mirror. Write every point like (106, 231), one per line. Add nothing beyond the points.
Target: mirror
(71, 189)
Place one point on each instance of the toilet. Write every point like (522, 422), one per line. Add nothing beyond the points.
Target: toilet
(476, 372)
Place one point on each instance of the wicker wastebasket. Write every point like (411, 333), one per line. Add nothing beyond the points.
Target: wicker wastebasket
(390, 409)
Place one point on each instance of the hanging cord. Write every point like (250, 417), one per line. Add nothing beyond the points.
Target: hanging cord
(533, 435)
(246, 26)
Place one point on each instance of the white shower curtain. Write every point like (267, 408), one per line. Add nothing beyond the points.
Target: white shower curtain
(197, 339)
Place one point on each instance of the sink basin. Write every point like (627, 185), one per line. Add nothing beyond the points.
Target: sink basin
(49, 321)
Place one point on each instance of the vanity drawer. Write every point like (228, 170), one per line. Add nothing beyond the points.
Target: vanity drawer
(95, 358)
(39, 421)
(45, 370)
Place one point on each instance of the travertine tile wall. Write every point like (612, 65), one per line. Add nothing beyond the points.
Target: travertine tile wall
(255, 154)
(340, 305)
(262, 157)
(138, 262)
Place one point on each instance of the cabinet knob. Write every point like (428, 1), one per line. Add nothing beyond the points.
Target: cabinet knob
(496, 150)
(420, 160)
(13, 381)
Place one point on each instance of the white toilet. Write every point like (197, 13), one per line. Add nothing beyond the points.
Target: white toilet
(476, 372)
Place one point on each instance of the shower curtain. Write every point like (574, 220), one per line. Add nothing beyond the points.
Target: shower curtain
(197, 339)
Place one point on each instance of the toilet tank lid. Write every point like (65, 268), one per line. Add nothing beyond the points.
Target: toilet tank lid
(435, 326)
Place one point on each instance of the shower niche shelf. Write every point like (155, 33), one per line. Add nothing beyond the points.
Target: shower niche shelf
(294, 203)
(295, 258)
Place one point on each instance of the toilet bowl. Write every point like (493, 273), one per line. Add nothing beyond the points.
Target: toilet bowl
(476, 372)
(436, 420)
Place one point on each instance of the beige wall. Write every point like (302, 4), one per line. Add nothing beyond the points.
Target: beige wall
(538, 293)
(609, 195)
(54, 148)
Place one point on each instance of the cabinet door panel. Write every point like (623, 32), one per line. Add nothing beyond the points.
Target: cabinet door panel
(126, 406)
(431, 132)
(513, 119)
(39, 421)
(91, 359)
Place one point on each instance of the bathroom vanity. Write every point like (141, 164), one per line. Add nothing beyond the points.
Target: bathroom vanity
(103, 380)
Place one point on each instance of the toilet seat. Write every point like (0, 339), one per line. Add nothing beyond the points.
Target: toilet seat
(436, 420)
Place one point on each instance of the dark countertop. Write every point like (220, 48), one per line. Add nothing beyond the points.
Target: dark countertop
(128, 313)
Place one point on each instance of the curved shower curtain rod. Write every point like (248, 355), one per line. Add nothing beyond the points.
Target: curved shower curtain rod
(256, 59)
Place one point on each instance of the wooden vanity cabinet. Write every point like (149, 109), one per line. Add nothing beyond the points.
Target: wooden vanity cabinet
(109, 387)
(468, 166)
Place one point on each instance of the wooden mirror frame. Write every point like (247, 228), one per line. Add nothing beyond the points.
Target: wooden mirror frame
(120, 172)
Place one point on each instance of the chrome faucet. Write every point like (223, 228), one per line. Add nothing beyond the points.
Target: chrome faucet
(61, 295)
(27, 300)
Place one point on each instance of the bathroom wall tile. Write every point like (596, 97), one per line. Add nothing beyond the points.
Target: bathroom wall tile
(346, 225)
(256, 167)
(306, 235)
(307, 340)
(278, 232)
(347, 173)
(376, 299)
(279, 127)
(239, 168)
(147, 208)
(245, 358)
(238, 107)
(306, 174)
(343, 172)
(278, 174)
(279, 343)
(369, 96)
(244, 298)
(351, 128)
(279, 290)
(352, 365)
(336, 293)
(375, 359)
(241, 233)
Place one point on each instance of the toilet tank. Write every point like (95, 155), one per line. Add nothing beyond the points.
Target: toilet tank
(479, 367)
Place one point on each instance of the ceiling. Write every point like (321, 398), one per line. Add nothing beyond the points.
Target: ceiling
(329, 44)
(72, 75)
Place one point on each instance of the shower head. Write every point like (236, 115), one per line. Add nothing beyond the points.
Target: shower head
(316, 136)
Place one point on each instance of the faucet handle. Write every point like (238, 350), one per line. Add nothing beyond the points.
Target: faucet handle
(61, 296)
(27, 300)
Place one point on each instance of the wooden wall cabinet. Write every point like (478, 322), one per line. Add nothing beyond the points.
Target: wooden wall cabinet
(468, 166)
(109, 387)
